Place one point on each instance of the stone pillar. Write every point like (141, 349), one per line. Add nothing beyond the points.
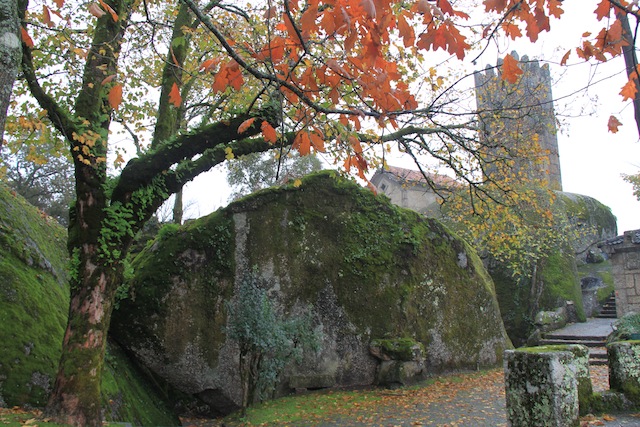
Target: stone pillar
(625, 259)
(542, 385)
(624, 369)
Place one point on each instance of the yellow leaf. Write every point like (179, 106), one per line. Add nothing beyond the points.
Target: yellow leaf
(228, 153)
(297, 183)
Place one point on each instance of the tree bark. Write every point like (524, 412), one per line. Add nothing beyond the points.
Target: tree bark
(630, 60)
(10, 53)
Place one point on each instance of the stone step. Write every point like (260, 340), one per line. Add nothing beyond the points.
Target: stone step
(607, 316)
(568, 337)
(554, 341)
(598, 356)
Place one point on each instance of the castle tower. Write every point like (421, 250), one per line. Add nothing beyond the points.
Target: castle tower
(518, 123)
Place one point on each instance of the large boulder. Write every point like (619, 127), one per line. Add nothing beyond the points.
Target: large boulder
(362, 268)
(34, 302)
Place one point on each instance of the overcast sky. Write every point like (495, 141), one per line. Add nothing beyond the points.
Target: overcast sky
(592, 159)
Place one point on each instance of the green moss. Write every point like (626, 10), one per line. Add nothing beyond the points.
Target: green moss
(561, 283)
(127, 396)
(326, 236)
(205, 246)
(34, 301)
(400, 348)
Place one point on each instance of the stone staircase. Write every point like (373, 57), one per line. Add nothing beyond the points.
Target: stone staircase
(592, 334)
(596, 345)
(608, 310)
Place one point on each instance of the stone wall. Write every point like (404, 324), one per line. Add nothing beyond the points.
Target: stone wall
(625, 259)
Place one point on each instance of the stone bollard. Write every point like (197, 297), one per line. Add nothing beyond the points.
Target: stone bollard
(542, 384)
(624, 369)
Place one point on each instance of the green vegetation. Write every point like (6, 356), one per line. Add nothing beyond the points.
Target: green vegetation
(626, 328)
(267, 342)
(404, 349)
(33, 300)
(33, 313)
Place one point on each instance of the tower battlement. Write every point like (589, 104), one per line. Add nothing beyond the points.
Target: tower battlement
(514, 117)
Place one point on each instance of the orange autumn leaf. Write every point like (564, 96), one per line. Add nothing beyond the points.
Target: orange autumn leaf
(46, 16)
(603, 9)
(302, 143)
(208, 65)
(108, 8)
(317, 141)
(613, 124)
(406, 31)
(115, 96)
(245, 125)
(510, 69)
(565, 58)
(108, 79)
(59, 3)
(495, 5)
(629, 90)
(26, 38)
(268, 132)
(174, 96)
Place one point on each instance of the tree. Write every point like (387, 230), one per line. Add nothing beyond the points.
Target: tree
(256, 171)
(634, 180)
(10, 50)
(45, 183)
(267, 343)
(307, 74)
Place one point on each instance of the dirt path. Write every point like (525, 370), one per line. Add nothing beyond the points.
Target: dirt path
(470, 400)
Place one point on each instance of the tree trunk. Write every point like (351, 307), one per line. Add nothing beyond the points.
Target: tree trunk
(178, 211)
(97, 271)
(10, 54)
(630, 60)
(76, 397)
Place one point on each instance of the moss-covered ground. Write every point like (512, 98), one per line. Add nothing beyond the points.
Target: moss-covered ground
(34, 299)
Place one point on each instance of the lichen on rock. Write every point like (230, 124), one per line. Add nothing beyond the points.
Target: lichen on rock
(365, 268)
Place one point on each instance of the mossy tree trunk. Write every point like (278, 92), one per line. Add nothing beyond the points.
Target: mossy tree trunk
(103, 222)
(10, 50)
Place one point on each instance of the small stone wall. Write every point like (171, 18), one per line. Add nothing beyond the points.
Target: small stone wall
(625, 258)
(544, 385)
(624, 369)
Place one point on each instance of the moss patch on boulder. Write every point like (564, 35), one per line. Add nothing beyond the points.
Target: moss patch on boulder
(34, 302)
(361, 267)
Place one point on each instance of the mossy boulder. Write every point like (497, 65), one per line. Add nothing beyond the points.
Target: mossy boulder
(593, 222)
(34, 302)
(361, 267)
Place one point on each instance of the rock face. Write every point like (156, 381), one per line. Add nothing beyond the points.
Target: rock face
(34, 301)
(594, 222)
(362, 268)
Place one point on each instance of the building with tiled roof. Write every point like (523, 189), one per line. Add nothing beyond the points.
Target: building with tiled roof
(412, 189)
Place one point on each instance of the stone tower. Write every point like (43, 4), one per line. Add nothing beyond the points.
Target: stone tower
(517, 119)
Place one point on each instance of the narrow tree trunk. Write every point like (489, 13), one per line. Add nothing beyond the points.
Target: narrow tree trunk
(177, 208)
(630, 60)
(10, 54)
